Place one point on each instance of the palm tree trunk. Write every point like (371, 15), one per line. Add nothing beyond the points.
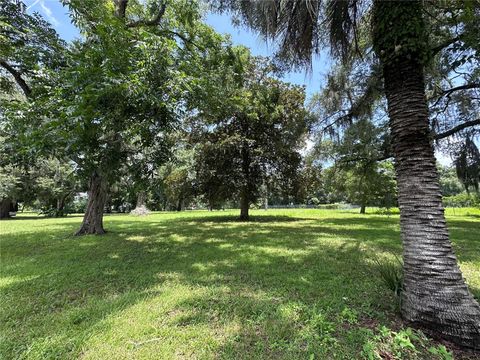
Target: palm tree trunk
(435, 294)
(93, 218)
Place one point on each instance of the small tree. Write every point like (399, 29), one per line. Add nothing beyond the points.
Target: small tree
(366, 181)
(10, 186)
(253, 136)
(449, 182)
(55, 185)
(467, 165)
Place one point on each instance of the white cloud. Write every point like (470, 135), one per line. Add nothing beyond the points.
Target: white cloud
(52, 19)
(34, 3)
(47, 12)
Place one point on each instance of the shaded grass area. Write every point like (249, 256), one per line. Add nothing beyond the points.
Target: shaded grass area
(290, 284)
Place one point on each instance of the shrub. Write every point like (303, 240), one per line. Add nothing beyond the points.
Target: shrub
(462, 200)
(78, 205)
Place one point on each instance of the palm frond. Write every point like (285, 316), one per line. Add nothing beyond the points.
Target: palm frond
(300, 27)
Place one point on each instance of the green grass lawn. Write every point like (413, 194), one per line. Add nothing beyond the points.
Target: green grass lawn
(290, 284)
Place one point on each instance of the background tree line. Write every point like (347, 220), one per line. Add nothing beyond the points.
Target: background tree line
(76, 120)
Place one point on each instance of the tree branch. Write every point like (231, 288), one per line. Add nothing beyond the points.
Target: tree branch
(155, 21)
(456, 129)
(435, 50)
(18, 77)
(383, 157)
(461, 87)
(449, 92)
(388, 154)
(183, 38)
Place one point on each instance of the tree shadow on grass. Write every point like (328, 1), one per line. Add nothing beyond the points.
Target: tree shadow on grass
(41, 217)
(60, 288)
(236, 219)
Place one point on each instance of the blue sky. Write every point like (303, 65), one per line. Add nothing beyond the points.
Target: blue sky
(57, 15)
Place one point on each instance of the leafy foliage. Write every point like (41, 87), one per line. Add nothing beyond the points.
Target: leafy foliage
(253, 138)
(467, 165)
(10, 182)
(28, 45)
(55, 184)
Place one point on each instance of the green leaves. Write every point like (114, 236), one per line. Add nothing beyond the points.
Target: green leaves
(10, 178)
(124, 85)
(399, 31)
(28, 45)
(253, 135)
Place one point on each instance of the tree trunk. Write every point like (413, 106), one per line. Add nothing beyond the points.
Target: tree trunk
(362, 208)
(244, 206)
(244, 196)
(179, 204)
(141, 199)
(435, 295)
(93, 218)
(60, 206)
(140, 208)
(5, 208)
(108, 205)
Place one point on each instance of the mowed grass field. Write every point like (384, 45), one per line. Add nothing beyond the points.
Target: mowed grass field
(290, 284)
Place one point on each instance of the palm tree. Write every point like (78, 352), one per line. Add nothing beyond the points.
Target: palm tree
(435, 295)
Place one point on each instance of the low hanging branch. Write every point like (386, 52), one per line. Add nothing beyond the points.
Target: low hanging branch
(448, 92)
(456, 129)
(462, 87)
(358, 108)
(18, 78)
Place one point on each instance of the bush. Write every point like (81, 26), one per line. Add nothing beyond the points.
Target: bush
(462, 200)
(78, 206)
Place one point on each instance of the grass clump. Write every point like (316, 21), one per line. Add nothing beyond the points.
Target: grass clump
(390, 272)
